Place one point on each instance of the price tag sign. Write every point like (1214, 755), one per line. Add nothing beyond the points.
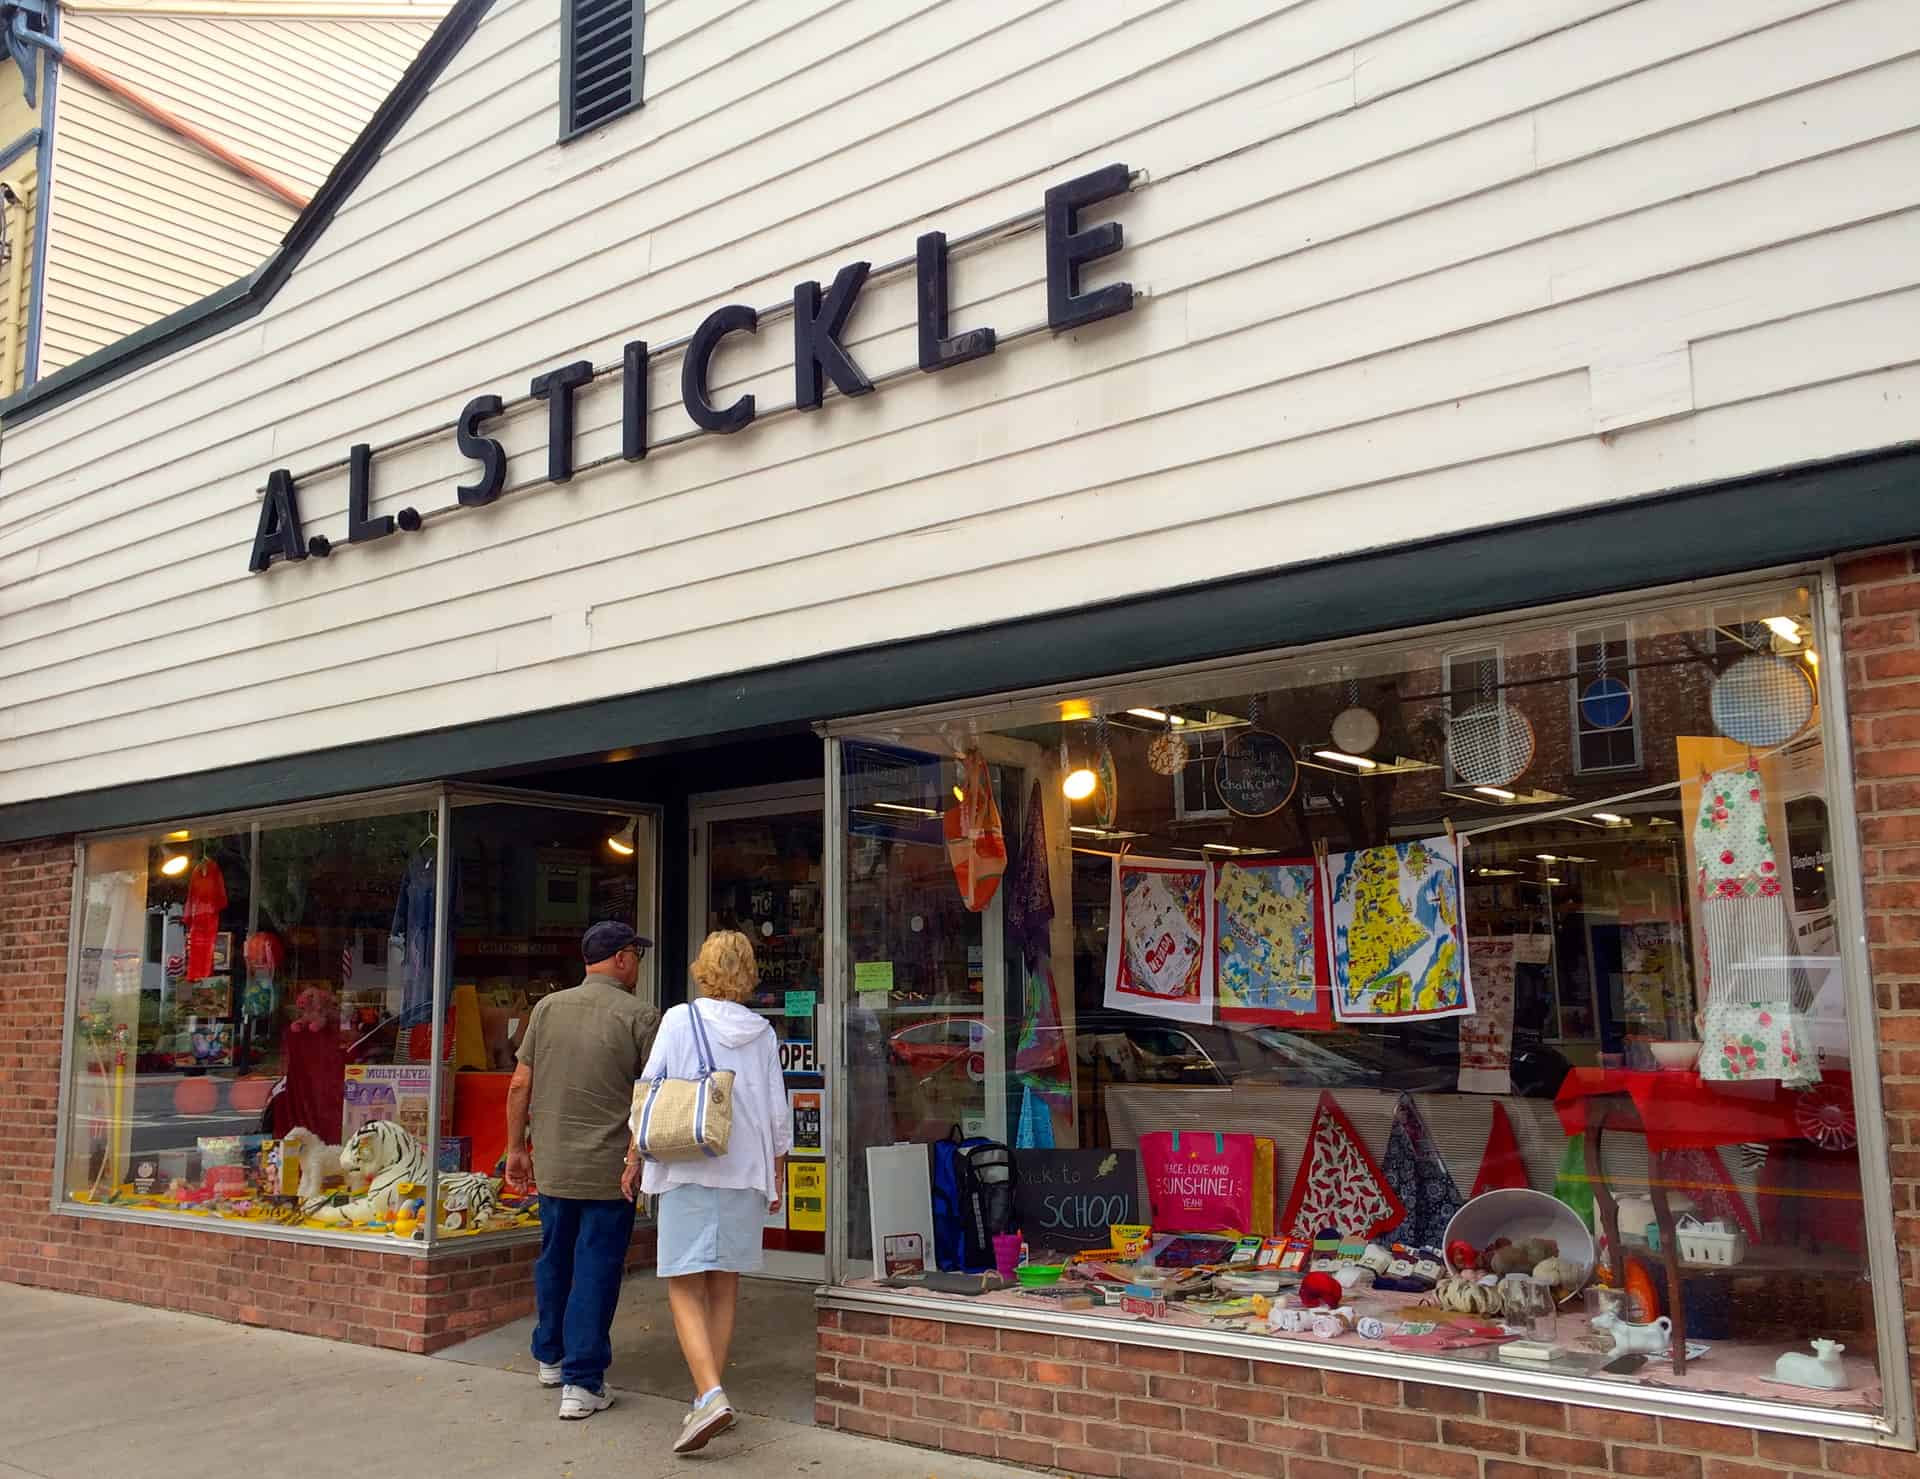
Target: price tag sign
(872, 975)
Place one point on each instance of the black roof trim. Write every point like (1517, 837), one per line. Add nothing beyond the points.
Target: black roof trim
(240, 301)
(1764, 520)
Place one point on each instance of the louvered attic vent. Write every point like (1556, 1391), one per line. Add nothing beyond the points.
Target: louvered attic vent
(602, 62)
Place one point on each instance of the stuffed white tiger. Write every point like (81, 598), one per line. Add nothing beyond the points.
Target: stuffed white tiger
(391, 1155)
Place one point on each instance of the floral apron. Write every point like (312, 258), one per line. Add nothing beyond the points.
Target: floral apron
(1755, 992)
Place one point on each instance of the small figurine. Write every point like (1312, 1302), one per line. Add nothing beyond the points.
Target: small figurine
(1636, 1340)
(1822, 1370)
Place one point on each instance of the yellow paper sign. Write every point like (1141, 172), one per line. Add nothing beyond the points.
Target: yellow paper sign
(806, 1196)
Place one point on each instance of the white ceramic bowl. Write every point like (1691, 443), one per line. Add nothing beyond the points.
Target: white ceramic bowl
(1517, 1213)
(1675, 1055)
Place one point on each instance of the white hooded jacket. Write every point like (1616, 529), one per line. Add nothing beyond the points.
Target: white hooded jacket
(762, 1126)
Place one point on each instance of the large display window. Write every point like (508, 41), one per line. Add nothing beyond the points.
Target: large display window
(1491, 998)
(268, 1034)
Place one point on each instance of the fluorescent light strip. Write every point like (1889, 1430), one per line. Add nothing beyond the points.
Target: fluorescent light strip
(1785, 628)
(1358, 762)
(1157, 717)
(1498, 792)
(912, 811)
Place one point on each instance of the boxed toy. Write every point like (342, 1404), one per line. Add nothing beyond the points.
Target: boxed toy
(454, 1152)
(391, 1091)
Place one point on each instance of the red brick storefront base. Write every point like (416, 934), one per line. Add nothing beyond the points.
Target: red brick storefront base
(1095, 1407)
(410, 1303)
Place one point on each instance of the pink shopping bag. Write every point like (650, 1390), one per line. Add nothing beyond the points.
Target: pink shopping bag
(1199, 1181)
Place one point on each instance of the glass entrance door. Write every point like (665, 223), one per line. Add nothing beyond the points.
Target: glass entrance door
(756, 865)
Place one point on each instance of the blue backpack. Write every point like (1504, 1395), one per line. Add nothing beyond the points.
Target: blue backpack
(973, 1182)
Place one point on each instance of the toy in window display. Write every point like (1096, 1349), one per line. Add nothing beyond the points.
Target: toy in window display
(319, 1162)
(389, 1156)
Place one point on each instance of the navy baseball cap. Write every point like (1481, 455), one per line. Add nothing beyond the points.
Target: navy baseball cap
(607, 939)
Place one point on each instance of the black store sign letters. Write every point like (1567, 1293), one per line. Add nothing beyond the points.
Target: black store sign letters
(819, 318)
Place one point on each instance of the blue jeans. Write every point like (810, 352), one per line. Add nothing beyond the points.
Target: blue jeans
(576, 1285)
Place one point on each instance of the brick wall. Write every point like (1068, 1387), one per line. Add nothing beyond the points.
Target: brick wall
(1138, 1412)
(406, 1303)
(1093, 1407)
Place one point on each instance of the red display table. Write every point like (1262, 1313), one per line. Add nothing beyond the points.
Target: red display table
(1674, 1111)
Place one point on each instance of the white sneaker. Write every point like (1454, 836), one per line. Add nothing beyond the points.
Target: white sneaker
(705, 1423)
(579, 1402)
(550, 1376)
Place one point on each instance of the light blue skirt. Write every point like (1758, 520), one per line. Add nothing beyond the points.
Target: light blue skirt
(710, 1229)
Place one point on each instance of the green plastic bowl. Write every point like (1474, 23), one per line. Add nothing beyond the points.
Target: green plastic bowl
(1040, 1275)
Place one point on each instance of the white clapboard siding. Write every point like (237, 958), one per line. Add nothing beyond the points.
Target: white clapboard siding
(145, 222)
(288, 95)
(1401, 265)
(1611, 246)
(489, 314)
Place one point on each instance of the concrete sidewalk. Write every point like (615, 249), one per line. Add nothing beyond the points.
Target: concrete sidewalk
(770, 1375)
(90, 1388)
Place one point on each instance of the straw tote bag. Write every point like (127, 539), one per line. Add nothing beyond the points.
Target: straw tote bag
(685, 1119)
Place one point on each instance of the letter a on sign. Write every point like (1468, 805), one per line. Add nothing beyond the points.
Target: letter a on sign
(277, 536)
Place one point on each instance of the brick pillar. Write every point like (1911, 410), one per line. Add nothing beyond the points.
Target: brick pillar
(36, 897)
(1880, 601)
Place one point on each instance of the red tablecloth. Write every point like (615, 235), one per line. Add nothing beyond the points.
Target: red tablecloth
(1682, 1111)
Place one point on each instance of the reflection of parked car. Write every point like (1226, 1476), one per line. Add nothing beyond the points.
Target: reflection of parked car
(928, 1047)
(1134, 1049)
(1137, 1049)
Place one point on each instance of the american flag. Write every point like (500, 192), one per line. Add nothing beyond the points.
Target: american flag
(346, 964)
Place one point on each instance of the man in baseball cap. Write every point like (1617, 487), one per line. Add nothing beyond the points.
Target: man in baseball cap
(582, 1050)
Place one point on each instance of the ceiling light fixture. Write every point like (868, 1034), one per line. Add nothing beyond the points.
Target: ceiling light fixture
(1499, 793)
(181, 836)
(1546, 857)
(912, 811)
(1157, 716)
(1612, 819)
(175, 864)
(1079, 784)
(625, 842)
(1358, 762)
(1785, 628)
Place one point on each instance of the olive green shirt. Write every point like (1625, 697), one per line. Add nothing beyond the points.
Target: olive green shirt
(585, 1046)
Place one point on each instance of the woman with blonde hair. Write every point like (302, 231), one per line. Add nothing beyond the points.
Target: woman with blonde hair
(711, 1211)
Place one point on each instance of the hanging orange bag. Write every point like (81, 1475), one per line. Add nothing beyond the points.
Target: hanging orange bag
(976, 845)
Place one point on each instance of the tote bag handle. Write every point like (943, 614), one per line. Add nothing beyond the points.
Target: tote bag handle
(700, 1046)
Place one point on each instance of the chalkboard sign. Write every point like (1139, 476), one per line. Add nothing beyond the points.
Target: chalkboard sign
(1255, 773)
(1068, 1199)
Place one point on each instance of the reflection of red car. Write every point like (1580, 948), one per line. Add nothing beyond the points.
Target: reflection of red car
(928, 1047)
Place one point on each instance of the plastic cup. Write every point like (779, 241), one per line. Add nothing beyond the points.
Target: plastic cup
(1006, 1255)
